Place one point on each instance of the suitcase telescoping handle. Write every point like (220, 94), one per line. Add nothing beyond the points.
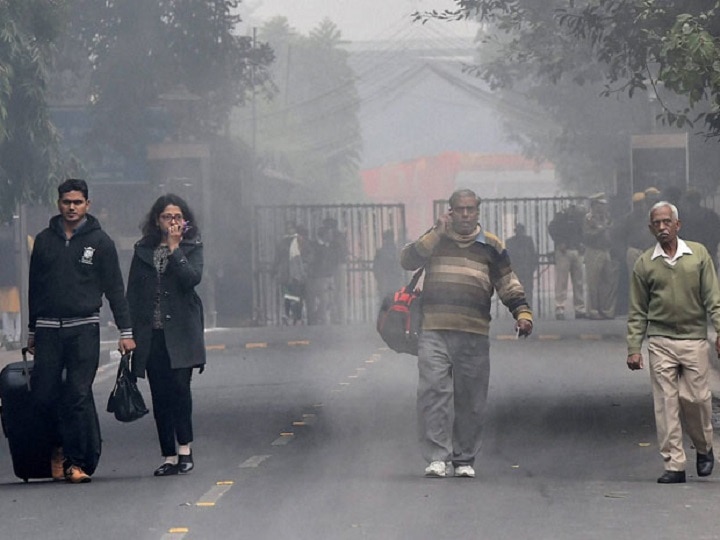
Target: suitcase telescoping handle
(26, 368)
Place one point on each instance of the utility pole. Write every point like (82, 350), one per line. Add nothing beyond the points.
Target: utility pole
(254, 94)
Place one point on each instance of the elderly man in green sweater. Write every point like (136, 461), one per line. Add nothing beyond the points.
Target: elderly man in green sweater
(673, 289)
(464, 265)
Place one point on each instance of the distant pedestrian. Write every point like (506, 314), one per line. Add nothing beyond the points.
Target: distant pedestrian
(167, 315)
(464, 266)
(566, 232)
(293, 259)
(386, 266)
(700, 224)
(673, 291)
(600, 269)
(321, 278)
(9, 290)
(634, 231)
(337, 260)
(524, 259)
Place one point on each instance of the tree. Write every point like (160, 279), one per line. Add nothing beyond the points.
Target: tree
(642, 45)
(309, 130)
(29, 161)
(140, 51)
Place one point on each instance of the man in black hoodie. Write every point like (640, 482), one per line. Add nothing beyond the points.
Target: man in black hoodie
(74, 262)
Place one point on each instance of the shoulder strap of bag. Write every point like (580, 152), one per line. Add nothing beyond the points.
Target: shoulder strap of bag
(414, 281)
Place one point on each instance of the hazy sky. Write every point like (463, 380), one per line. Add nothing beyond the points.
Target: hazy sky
(357, 19)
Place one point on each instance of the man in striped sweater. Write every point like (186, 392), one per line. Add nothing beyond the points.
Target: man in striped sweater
(464, 265)
(673, 290)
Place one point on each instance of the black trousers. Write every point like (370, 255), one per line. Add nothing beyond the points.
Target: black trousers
(70, 404)
(171, 397)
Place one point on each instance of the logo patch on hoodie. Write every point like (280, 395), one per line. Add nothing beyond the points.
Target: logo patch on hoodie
(87, 256)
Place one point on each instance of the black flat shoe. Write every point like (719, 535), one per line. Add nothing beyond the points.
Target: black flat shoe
(672, 477)
(705, 463)
(167, 469)
(185, 463)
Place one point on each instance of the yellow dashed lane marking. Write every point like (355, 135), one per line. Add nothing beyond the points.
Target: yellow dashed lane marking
(215, 347)
(214, 493)
(175, 533)
(254, 461)
(549, 337)
(256, 345)
(299, 342)
(283, 439)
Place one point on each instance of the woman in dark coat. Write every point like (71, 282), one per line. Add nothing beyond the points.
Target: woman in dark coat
(167, 319)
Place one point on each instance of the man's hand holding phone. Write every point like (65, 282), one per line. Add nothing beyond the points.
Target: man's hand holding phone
(442, 225)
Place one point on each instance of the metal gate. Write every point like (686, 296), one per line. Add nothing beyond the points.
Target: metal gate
(499, 216)
(355, 289)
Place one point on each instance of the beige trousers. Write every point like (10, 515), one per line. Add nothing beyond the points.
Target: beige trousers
(569, 264)
(679, 374)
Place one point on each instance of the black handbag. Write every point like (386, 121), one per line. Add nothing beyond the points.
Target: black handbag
(399, 321)
(126, 401)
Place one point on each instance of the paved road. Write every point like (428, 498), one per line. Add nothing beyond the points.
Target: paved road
(310, 434)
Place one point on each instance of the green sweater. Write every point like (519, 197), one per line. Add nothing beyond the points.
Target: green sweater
(672, 301)
(459, 281)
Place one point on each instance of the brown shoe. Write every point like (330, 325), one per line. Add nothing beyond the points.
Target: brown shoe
(56, 464)
(75, 475)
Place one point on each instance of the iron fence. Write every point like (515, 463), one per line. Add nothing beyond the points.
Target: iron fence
(355, 294)
(500, 216)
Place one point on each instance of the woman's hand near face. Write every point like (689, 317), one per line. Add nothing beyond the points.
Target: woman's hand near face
(175, 235)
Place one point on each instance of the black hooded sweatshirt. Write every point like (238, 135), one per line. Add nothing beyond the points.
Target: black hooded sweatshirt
(69, 277)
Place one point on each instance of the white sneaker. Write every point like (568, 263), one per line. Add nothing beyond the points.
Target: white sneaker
(436, 469)
(465, 471)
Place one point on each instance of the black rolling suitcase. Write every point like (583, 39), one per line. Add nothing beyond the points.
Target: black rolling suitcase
(29, 432)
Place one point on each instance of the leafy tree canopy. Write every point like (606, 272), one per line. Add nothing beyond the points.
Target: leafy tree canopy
(28, 143)
(309, 131)
(641, 44)
(142, 52)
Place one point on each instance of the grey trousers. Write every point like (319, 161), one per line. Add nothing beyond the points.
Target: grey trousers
(454, 371)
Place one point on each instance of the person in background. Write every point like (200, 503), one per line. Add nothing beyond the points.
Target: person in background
(386, 268)
(600, 269)
(73, 264)
(672, 194)
(524, 258)
(700, 224)
(634, 230)
(293, 260)
(464, 266)
(652, 195)
(320, 279)
(566, 232)
(337, 260)
(167, 317)
(9, 290)
(673, 291)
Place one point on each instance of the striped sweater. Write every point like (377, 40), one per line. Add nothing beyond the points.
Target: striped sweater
(460, 281)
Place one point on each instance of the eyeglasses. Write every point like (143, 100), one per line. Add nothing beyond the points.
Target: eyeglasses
(465, 209)
(171, 217)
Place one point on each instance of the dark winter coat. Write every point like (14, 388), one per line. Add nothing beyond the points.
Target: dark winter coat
(180, 306)
(69, 277)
